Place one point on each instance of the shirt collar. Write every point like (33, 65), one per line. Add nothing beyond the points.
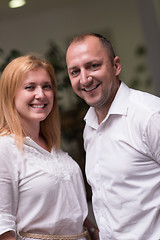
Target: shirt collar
(119, 106)
(120, 102)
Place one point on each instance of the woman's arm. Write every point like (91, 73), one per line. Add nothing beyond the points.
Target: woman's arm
(7, 236)
(9, 191)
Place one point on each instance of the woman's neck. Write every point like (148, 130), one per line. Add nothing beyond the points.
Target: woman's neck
(40, 141)
(33, 132)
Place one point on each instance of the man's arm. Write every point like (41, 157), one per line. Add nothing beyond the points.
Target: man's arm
(93, 230)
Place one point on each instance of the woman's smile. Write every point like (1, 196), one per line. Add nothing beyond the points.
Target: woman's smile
(34, 97)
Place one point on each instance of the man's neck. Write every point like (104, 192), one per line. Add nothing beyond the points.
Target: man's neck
(101, 114)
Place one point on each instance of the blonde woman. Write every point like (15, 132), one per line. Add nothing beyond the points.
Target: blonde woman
(42, 191)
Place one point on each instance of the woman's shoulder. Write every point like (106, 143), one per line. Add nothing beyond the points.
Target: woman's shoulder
(6, 148)
(7, 143)
(5, 139)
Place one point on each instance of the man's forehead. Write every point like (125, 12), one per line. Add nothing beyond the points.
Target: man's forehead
(87, 40)
(85, 47)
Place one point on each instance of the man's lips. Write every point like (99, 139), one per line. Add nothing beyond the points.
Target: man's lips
(91, 88)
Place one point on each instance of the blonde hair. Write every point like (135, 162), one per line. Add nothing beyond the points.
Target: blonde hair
(9, 118)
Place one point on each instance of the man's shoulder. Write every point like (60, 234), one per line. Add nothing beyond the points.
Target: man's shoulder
(144, 100)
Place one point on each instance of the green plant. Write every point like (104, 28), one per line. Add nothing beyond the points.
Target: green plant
(141, 78)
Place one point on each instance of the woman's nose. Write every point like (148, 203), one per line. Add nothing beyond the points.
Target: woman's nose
(39, 92)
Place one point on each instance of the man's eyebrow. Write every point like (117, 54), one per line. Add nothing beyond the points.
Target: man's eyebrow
(91, 62)
(72, 68)
(86, 64)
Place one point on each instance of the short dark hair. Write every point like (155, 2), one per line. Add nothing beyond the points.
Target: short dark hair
(104, 41)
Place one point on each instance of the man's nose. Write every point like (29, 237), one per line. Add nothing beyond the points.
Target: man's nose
(85, 78)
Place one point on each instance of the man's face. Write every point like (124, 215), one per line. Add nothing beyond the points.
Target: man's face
(92, 74)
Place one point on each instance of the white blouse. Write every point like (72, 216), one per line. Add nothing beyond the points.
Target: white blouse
(40, 192)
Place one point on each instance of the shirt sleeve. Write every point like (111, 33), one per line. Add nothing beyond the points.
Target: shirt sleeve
(8, 193)
(153, 136)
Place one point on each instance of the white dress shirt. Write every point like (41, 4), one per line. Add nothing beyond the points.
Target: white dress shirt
(123, 166)
(40, 192)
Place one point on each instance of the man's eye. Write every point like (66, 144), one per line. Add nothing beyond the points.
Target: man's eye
(95, 65)
(75, 72)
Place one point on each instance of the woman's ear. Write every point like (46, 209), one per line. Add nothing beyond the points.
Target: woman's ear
(117, 66)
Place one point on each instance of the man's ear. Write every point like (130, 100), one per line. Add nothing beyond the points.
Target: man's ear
(117, 66)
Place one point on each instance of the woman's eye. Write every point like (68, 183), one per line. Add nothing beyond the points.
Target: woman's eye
(47, 87)
(29, 87)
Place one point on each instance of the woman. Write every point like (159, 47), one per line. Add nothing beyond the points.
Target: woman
(42, 190)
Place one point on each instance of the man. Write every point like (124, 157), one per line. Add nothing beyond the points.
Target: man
(122, 142)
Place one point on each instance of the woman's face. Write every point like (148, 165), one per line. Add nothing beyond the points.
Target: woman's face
(34, 97)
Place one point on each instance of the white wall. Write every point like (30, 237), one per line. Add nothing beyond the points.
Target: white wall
(32, 29)
(31, 32)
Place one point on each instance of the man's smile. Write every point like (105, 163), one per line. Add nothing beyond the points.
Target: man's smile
(91, 88)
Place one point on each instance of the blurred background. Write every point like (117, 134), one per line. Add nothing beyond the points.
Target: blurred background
(46, 27)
